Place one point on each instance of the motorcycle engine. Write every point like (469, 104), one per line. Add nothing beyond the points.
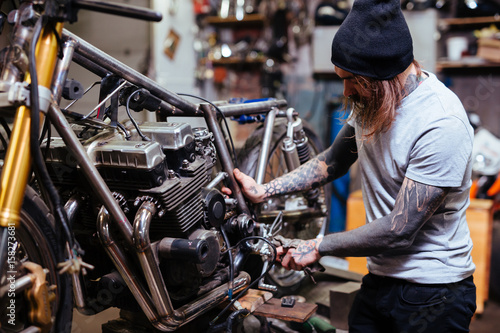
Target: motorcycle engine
(172, 170)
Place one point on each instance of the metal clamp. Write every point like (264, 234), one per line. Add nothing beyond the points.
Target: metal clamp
(45, 98)
(19, 94)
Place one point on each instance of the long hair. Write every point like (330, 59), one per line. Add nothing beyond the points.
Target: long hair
(375, 108)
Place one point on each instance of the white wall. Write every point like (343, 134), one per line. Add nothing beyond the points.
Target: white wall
(125, 39)
(177, 74)
(423, 29)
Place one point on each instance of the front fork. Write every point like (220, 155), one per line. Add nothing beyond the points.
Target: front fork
(17, 163)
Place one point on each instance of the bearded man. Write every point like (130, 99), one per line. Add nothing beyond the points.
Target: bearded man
(412, 139)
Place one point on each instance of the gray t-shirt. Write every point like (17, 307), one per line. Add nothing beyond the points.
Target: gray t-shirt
(429, 142)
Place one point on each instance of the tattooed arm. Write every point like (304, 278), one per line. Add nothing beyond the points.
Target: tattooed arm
(414, 205)
(327, 166)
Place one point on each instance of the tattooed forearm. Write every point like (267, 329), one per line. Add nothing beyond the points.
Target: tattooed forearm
(424, 199)
(414, 205)
(303, 178)
(325, 167)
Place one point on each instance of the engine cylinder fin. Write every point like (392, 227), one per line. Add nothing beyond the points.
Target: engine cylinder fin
(175, 191)
(179, 222)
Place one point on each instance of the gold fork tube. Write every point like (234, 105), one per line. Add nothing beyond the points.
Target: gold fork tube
(17, 163)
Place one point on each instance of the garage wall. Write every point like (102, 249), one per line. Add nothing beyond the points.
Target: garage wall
(125, 39)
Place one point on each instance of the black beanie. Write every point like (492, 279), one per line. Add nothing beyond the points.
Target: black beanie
(373, 40)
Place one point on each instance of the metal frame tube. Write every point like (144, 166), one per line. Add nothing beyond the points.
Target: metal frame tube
(62, 69)
(266, 146)
(90, 52)
(89, 65)
(230, 110)
(225, 156)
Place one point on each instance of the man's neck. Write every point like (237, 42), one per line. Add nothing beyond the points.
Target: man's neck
(412, 78)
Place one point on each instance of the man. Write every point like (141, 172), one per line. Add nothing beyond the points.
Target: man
(413, 142)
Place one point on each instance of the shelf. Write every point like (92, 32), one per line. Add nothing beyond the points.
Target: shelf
(468, 21)
(253, 20)
(467, 62)
(235, 61)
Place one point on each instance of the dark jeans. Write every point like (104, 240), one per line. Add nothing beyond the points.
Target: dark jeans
(392, 305)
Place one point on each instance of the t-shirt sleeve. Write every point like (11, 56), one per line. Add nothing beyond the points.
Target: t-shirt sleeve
(440, 155)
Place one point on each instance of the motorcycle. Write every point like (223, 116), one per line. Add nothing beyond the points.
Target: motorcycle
(486, 161)
(126, 214)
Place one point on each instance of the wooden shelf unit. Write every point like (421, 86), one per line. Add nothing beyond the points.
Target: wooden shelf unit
(467, 21)
(249, 20)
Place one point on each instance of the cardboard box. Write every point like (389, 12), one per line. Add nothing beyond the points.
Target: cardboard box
(489, 49)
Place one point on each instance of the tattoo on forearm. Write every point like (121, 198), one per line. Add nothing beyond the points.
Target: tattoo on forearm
(311, 174)
(304, 249)
(428, 199)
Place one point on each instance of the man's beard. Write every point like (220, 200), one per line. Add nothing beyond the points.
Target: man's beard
(364, 111)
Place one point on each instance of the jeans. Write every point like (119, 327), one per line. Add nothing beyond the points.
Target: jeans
(386, 304)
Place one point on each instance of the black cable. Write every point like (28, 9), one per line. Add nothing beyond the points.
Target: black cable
(124, 130)
(227, 327)
(43, 174)
(275, 253)
(235, 162)
(4, 142)
(4, 235)
(5, 126)
(46, 131)
(232, 317)
(231, 264)
(127, 107)
(60, 49)
(7, 131)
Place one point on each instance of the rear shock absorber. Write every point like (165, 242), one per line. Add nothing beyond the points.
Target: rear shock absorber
(297, 151)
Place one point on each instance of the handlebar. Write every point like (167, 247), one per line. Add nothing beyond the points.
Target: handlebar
(118, 9)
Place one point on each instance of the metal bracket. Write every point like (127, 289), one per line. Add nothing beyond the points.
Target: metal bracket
(19, 94)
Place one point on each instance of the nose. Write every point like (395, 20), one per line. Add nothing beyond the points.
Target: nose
(349, 89)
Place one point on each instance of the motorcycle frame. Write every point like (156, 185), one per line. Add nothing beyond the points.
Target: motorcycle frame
(52, 74)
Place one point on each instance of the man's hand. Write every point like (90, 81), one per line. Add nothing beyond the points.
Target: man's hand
(252, 191)
(298, 258)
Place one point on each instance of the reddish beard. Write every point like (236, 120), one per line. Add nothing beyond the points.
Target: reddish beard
(368, 115)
